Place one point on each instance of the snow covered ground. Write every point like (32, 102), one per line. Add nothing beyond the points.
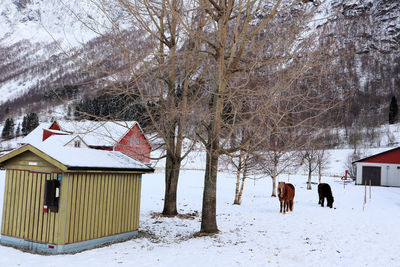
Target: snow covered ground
(252, 234)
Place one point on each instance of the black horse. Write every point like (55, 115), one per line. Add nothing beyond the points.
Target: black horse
(324, 191)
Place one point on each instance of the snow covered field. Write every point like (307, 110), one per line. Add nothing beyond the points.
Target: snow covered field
(252, 234)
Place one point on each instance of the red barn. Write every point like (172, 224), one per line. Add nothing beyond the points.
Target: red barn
(381, 169)
(124, 136)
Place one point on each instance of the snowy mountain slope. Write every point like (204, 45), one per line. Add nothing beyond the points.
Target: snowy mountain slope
(51, 50)
(34, 35)
(38, 39)
(43, 21)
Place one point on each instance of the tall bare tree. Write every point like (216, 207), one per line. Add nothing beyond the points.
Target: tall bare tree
(240, 38)
(200, 59)
(243, 161)
(162, 72)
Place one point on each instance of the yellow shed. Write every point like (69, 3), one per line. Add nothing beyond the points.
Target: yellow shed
(64, 199)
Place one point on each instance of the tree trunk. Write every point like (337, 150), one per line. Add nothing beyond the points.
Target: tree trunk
(244, 176)
(309, 176)
(237, 189)
(239, 168)
(209, 209)
(274, 181)
(319, 173)
(273, 186)
(172, 168)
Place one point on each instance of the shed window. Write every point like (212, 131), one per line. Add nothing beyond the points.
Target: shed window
(137, 141)
(131, 141)
(51, 194)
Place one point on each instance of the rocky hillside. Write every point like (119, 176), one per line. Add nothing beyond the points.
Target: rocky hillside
(38, 39)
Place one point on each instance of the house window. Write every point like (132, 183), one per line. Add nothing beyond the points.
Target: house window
(77, 143)
(131, 141)
(137, 141)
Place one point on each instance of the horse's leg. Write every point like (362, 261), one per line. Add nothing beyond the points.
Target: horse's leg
(281, 206)
(322, 201)
(291, 205)
(285, 207)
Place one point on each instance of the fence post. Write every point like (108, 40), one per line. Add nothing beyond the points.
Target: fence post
(369, 189)
(365, 194)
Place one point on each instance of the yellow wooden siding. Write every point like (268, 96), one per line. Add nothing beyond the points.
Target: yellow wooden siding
(25, 160)
(99, 206)
(137, 192)
(90, 206)
(23, 215)
(6, 202)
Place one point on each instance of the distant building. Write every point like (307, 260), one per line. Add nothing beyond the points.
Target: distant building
(124, 136)
(381, 169)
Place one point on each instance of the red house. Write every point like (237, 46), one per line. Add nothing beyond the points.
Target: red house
(124, 136)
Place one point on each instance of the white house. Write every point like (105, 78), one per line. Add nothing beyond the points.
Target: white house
(381, 169)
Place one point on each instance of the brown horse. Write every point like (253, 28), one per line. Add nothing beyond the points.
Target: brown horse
(286, 195)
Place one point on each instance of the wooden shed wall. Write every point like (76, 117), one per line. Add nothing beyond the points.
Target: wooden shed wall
(91, 205)
(23, 215)
(25, 160)
(99, 205)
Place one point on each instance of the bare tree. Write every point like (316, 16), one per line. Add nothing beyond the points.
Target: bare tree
(275, 156)
(241, 167)
(276, 162)
(322, 161)
(349, 166)
(243, 40)
(158, 69)
(195, 76)
(244, 163)
(315, 158)
(309, 157)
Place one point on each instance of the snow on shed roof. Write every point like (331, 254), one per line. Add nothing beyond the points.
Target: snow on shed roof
(98, 133)
(82, 158)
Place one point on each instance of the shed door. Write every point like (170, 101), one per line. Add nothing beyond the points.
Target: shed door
(371, 173)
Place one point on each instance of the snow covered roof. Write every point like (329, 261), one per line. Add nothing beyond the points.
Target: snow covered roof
(61, 140)
(98, 133)
(70, 158)
(93, 133)
(36, 136)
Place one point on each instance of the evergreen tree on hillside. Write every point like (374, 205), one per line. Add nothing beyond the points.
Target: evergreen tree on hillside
(8, 129)
(29, 122)
(112, 107)
(34, 121)
(24, 125)
(393, 110)
(18, 131)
